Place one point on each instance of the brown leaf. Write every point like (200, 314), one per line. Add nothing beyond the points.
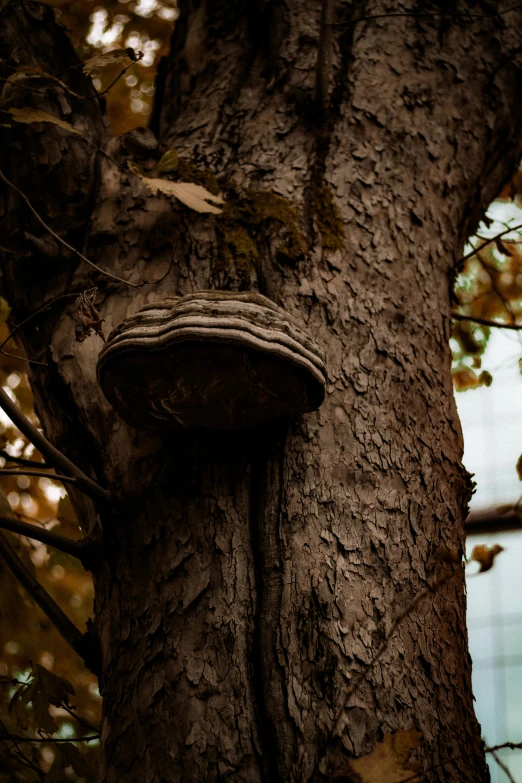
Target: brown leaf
(28, 115)
(86, 317)
(388, 761)
(123, 56)
(485, 555)
(193, 196)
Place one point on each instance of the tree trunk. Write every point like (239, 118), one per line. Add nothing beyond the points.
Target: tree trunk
(248, 577)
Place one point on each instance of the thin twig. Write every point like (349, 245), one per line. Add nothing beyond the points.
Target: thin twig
(43, 473)
(503, 767)
(81, 721)
(27, 463)
(68, 545)
(23, 359)
(489, 271)
(50, 453)
(139, 56)
(37, 312)
(429, 590)
(27, 761)
(41, 597)
(509, 745)
(485, 321)
(13, 737)
(59, 238)
(488, 242)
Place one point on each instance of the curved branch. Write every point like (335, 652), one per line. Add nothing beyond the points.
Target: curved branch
(51, 454)
(42, 473)
(74, 548)
(41, 597)
(485, 321)
(27, 463)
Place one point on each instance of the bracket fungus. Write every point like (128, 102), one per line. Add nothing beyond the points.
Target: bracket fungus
(214, 359)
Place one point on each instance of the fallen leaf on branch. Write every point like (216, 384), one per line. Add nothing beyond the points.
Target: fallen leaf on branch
(388, 761)
(485, 556)
(28, 115)
(125, 57)
(86, 317)
(194, 196)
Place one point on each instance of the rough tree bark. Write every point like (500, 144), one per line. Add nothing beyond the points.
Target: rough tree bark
(247, 578)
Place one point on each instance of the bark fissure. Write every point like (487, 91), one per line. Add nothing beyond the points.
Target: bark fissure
(275, 728)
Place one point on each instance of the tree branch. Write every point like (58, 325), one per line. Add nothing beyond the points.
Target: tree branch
(488, 242)
(48, 605)
(485, 321)
(43, 473)
(74, 548)
(59, 238)
(51, 454)
(27, 463)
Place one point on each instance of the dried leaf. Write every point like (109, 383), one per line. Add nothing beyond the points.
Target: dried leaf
(505, 509)
(27, 72)
(502, 248)
(388, 761)
(169, 161)
(74, 759)
(123, 56)
(485, 555)
(194, 196)
(86, 317)
(57, 772)
(28, 115)
(46, 688)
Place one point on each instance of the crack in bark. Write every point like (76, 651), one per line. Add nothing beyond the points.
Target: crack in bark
(277, 739)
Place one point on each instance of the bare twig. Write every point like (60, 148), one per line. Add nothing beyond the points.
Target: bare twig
(510, 745)
(48, 605)
(27, 463)
(429, 590)
(43, 473)
(23, 757)
(17, 738)
(81, 721)
(503, 767)
(139, 57)
(488, 242)
(59, 238)
(68, 545)
(51, 454)
(23, 358)
(37, 312)
(485, 321)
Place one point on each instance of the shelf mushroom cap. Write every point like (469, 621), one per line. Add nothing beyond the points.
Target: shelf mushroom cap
(218, 360)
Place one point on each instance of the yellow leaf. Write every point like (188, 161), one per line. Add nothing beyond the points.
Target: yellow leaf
(485, 555)
(194, 196)
(123, 56)
(28, 115)
(169, 161)
(388, 761)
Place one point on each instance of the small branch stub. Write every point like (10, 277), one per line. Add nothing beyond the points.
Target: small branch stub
(214, 359)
